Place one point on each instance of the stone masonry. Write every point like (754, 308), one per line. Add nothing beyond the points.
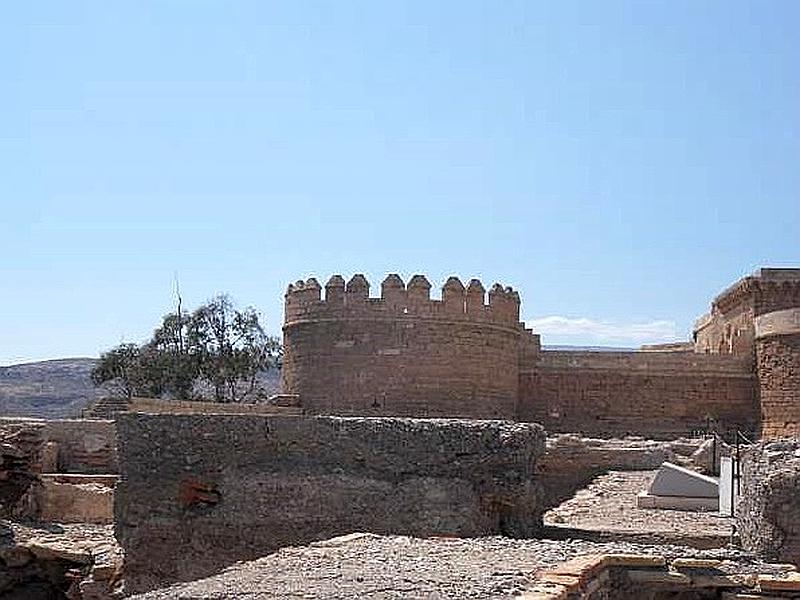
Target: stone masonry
(778, 365)
(768, 514)
(406, 354)
(198, 493)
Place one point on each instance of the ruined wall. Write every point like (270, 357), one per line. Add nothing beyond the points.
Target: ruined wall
(769, 509)
(778, 366)
(82, 446)
(65, 445)
(657, 394)
(571, 461)
(198, 493)
(403, 353)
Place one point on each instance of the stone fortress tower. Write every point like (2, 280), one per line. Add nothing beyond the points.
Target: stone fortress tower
(759, 318)
(404, 353)
(468, 355)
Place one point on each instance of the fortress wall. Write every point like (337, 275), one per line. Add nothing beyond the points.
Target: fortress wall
(404, 354)
(730, 326)
(778, 366)
(656, 394)
(198, 493)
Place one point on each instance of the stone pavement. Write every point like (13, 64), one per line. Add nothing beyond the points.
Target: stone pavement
(607, 509)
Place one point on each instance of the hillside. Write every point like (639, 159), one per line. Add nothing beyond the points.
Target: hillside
(52, 388)
(61, 388)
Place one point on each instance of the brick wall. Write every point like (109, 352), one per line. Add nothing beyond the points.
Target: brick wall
(657, 394)
(403, 353)
(198, 493)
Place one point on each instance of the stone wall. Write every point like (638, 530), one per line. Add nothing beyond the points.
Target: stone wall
(404, 354)
(194, 407)
(729, 327)
(769, 509)
(655, 394)
(778, 366)
(200, 492)
(66, 445)
(82, 445)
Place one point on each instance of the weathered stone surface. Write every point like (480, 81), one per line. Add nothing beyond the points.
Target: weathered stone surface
(198, 493)
(778, 365)
(768, 514)
(655, 394)
(65, 500)
(404, 354)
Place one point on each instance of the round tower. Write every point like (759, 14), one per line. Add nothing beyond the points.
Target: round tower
(777, 336)
(403, 354)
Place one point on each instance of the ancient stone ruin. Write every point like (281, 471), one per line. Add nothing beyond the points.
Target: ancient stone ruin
(431, 447)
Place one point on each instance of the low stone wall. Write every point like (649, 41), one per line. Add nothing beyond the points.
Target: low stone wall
(65, 445)
(571, 461)
(198, 493)
(768, 514)
(21, 443)
(185, 407)
(83, 446)
(63, 498)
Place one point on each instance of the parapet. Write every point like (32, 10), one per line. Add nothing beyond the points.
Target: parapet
(304, 300)
(765, 282)
(781, 322)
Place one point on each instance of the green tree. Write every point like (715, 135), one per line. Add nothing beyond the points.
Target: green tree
(216, 351)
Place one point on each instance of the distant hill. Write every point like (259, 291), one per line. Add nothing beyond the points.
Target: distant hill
(61, 388)
(51, 388)
(588, 348)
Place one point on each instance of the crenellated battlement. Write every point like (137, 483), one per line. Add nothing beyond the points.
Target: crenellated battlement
(304, 300)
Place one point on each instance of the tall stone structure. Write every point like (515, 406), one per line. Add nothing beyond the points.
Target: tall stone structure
(778, 365)
(404, 353)
(729, 328)
(468, 355)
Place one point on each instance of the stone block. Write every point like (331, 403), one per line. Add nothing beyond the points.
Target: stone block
(674, 480)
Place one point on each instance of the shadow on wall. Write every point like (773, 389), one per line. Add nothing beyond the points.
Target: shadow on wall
(198, 493)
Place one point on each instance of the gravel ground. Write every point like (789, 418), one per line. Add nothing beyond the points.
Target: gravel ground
(608, 505)
(387, 567)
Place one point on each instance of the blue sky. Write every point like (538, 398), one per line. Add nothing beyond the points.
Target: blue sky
(617, 162)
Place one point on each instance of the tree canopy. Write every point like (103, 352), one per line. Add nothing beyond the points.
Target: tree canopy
(216, 352)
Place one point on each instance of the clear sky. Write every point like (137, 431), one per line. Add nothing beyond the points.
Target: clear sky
(617, 162)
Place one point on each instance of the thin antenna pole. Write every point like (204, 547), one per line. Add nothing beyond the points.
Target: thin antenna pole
(179, 301)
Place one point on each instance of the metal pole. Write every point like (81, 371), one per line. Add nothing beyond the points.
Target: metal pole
(732, 488)
(713, 454)
(738, 472)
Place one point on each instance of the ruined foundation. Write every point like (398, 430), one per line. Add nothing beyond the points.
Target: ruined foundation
(198, 493)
